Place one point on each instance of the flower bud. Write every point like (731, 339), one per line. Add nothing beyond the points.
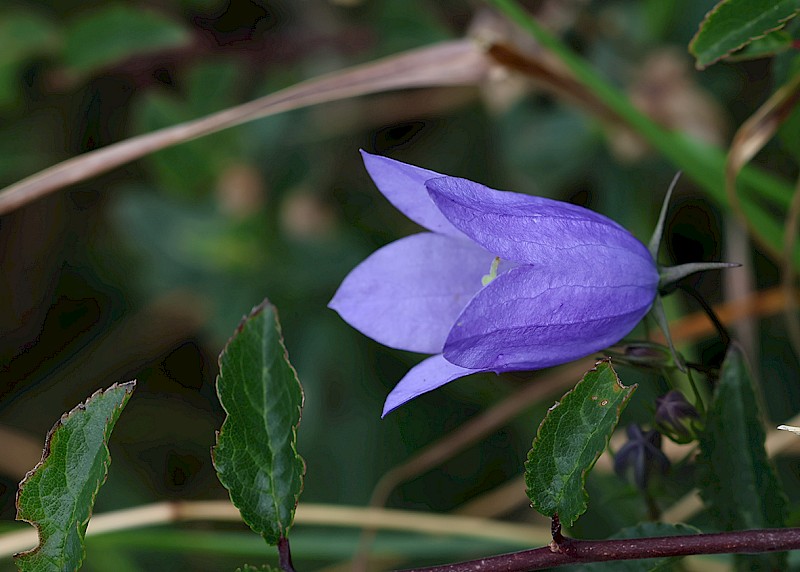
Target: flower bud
(676, 417)
(643, 354)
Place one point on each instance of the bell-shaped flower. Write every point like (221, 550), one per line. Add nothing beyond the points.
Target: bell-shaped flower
(502, 282)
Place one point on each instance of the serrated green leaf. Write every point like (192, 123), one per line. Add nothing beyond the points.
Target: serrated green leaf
(571, 437)
(57, 496)
(770, 45)
(107, 35)
(737, 479)
(643, 530)
(256, 456)
(733, 24)
(264, 568)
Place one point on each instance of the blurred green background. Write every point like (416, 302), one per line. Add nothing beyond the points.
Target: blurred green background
(144, 272)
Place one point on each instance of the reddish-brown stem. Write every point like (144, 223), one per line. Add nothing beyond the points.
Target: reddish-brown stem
(285, 555)
(585, 551)
(555, 529)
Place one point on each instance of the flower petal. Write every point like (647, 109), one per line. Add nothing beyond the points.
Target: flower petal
(539, 316)
(426, 376)
(409, 293)
(528, 229)
(404, 186)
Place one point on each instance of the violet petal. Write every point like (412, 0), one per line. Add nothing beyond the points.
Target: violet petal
(404, 186)
(426, 376)
(529, 229)
(408, 294)
(533, 317)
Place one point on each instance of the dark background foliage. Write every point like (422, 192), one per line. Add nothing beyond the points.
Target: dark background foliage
(144, 272)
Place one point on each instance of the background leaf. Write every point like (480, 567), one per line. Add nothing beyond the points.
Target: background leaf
(113, 33)
(733, 24)
(57, 496)
(570, 439)
(23, 35)
(734, 463)
(256, 456)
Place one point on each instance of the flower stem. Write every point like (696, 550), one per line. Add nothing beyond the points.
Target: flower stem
(661, 319)
(586, 551)
(701, 408)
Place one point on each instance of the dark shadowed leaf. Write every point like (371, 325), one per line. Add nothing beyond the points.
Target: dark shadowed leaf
(256, 456)
(733, 24)
(105, 36)
(737, 480)
(23, 35)
(57, 496)
(571, 437)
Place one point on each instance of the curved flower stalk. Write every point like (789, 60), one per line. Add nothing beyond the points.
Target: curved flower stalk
(502, 282)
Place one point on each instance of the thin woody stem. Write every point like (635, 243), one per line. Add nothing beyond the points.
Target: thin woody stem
(555, 529)
(285, 555)
(586, 551)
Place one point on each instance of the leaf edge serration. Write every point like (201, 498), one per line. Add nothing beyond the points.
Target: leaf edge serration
(630, 389)
(128, 388)
(254, 313)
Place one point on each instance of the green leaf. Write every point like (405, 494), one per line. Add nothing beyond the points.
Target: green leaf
(189, 169)
(256, 456)
(733, 463)
(643, 530)
(57, 496)
(770, 45)
(571, 437)
(23, 35)
(733, 24)
(107, 35)
(194, 167)
(264, 568)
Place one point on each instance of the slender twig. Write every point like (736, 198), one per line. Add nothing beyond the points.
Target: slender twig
(749, 139)
(307, 514)
(572, 551)
(457, 62)
(698, 398)
(722, 331)
(468, 434)
(555, 530)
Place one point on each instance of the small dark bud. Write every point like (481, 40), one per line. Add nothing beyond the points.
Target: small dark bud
(640, 456)
(677, 418)
(644, 354)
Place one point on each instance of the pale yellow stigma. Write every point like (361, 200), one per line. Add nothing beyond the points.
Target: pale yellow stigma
(487, 278)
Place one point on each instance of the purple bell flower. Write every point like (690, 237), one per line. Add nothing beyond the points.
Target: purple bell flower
(502, 282)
